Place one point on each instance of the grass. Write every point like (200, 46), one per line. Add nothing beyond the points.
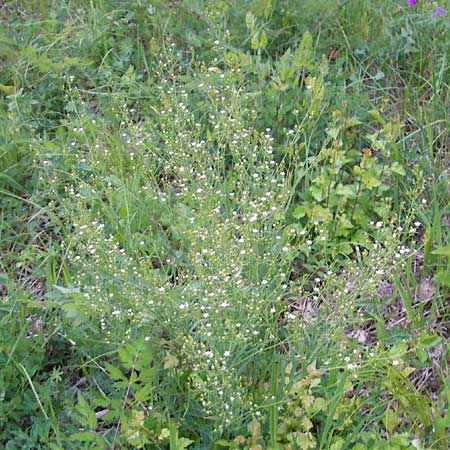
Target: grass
(224, 225)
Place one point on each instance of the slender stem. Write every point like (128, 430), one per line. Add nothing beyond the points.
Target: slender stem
(356, 198)
(333, 175)
(124, 403)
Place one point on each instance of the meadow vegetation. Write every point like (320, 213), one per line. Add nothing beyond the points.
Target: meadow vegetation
(224, 224)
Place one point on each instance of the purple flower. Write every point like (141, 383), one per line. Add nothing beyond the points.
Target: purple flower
(439, 11)
(412, 2)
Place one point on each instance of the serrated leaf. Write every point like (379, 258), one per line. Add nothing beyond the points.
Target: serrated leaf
(250, 21)
(284, 67)
(143, 394)
(116, 374)
(85, 410)
(262, 40)
(254, 41)
(303, 55)
(126, 358)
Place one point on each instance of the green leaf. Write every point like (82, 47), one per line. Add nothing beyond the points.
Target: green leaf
(317, 192)
(352, 122)
(12, 182)
(225, 443)
(429, 341)
(347, 191)
(398, 350)
(136, 437)
(421, 354)
(391, 420)
(254, 42)
(126, 358)
(250, 21)
(254, 428)
(170, 361)
(442, 251)
(398, 168)
(183, 443)
(116, 374)
(262, 40)
(443, 278)
(8, 90)
(83, 436)
(400, 439)
(319, 404)
(284, 67)
(305, 441)
(370, 179)
(299, 212)
(148, 375)
(303, 55)
(338, 444)
(143, 394)
(321, 214)
(306, 424)
(85, 410)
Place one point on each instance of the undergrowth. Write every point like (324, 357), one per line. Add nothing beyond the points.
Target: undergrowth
(224, 225)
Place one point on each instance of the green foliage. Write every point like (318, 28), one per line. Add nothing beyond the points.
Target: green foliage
(224, 225)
